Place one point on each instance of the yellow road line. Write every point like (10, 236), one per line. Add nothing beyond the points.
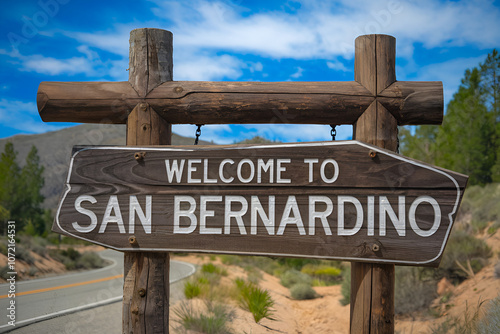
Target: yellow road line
(65, 286)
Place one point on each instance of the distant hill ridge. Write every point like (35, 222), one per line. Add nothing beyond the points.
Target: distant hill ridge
(54, 149)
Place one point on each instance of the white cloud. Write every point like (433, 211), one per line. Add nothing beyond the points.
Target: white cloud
(298, 73)
(337, 66)
(326, 30)
(22, 116)
(200, 67)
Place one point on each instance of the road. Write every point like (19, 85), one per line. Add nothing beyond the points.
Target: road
(47, 298)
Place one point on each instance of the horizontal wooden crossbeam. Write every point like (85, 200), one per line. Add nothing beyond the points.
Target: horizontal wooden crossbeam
(205, 102)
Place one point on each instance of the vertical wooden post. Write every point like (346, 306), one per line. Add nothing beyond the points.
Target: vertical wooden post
(146, 284)
(372, 285)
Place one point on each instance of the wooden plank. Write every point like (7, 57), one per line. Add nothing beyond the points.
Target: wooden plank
(382, 302)
(279, 180)
(375, 54)
(361, 298)
(240, 102)
(146, 286)
(365, 62)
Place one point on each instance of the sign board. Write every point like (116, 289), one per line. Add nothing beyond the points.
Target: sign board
(332, 200)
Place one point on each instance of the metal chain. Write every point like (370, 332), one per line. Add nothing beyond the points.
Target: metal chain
(333, 132)
(397, 136)
(198, 133)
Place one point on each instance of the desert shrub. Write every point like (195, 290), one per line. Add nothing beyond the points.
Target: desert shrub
(3, 247)
(214, 320)
(255, 300)
(73, 260)
(296, 263)
(265, 264)
(292, 277)
(412, 293)
(490, 321)
(89, 260)
(463, 249)
(230, 259)
(36, 244)
(302, 291)
(33, 271)
(497, 270)
(4, 270)
(23, 254)
(481, 204)
(192, 289)
(323, 274)
(468, 324)
(345, 289)
(211, 268)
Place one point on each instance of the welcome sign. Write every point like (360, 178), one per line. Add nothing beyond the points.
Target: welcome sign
(333, 200)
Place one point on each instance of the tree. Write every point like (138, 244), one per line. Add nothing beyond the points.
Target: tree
(466, 140)
(9, 178)
(20, 189)
(490, 70)
(420, 144)
(469, 139)
(32, 182)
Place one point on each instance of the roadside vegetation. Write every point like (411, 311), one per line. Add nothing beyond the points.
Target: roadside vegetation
(21, 201)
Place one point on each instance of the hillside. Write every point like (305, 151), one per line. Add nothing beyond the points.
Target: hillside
(54, 149)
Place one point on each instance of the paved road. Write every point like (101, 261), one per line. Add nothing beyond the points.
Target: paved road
(42, 299)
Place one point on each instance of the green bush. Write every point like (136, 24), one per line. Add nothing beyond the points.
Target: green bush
(323, 273)
(412, 293)
(192, 289)
(211, 268)
(255, 300)
(291, 277)
(302, 291)
(482, 204)
(24, 254)
(213, 321)
(345, 289)
(462, 249)
(89, 260)
(4, 270)
(3, 247)
(73, 260)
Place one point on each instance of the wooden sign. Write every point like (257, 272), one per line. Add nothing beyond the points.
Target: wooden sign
(333, 200)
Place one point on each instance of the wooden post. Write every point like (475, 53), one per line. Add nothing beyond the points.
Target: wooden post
(372, 285)
(146, 283)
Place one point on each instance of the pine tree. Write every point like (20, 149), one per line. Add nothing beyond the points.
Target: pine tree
(469, 139)
(465, 142)
(490, 71)
(420, 144)
(9, 183)
(20, 190)
(32, 182)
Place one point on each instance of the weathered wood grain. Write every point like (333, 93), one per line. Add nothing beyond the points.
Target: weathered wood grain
(146, 286)
(240, 102)
(363, 171)
(376, 56)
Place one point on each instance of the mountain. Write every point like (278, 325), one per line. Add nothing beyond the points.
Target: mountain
(54, 149)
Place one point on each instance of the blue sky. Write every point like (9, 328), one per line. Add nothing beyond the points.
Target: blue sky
(75, 40)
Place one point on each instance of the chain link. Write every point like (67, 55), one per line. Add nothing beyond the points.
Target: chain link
(333, 132)
(198, 133)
